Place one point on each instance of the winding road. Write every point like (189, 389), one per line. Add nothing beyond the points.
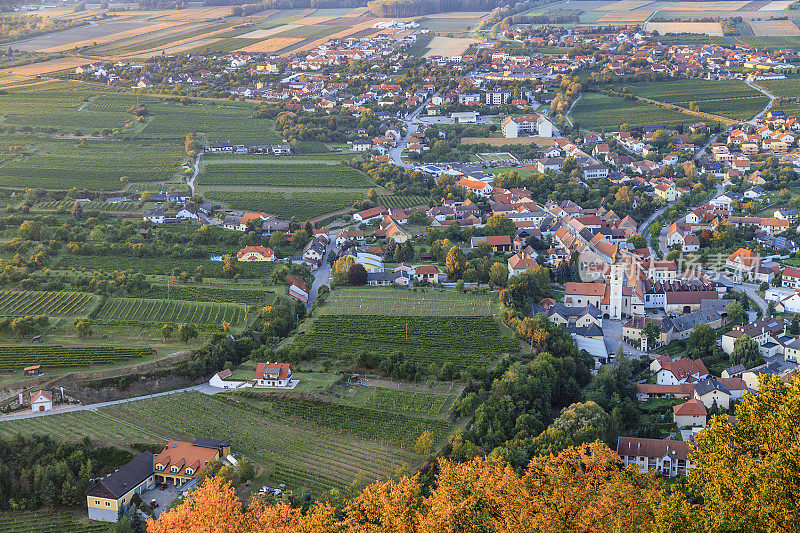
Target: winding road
(766, 93)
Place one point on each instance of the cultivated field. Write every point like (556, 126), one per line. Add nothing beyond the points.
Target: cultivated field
(15, 358)
(321, 446)
(501, 141)
(271, 174)
(449, 46)
(272, 45)
(600, 112)
(407, 303)
(49, 522)
(295, 203)
(707, 28)
(210, 294)
(777, 28)
(19, 303)
(163, 311)
(463, 341)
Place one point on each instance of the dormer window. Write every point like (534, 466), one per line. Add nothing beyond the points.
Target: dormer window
(174, 469)
(159, 467)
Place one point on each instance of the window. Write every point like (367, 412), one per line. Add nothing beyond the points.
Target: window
(108, 504)
(123, 500)
(97, 502)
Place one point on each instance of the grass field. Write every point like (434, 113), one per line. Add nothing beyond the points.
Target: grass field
(163, 311)
(19, 303)
(319, 449)
(378, 301)
(15, 358)
(267, 173)
(291, 203)
(429, 404)
(463, 341)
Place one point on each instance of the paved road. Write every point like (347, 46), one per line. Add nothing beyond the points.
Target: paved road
(205, 388)
(749, 289)
(767, 107)
(411, 122)
(191, 181)
(644, 228)
(322, 274)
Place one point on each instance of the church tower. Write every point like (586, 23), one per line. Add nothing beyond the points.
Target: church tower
(617, 279)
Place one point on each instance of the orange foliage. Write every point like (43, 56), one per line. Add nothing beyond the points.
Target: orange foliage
(581, 489)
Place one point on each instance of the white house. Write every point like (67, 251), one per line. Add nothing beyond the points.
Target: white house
(222, 380)
(273, 375)
(42, 401)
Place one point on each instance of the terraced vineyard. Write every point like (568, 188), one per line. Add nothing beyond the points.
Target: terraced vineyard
(209, 294)
(312, 453)
(50, 303)
(140, 310)
(301, 205)
(270, 174)
(158, 265)
(15, 358)
(463, 341)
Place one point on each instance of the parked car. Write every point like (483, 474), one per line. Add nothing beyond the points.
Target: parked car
(153, 504)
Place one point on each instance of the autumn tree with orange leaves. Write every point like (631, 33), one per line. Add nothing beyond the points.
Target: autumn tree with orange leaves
(581, 489)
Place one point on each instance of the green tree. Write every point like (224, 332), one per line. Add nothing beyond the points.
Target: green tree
(84, 328)
(701, 341)
(746, 352)
(498, 274)
(577, 424)
(357, 274)
(166, 331)
(187, 331)
(651, 332)
(735, 312)
(794, 327)
(500, 225)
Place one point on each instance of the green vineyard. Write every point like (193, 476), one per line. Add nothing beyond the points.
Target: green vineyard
(272, 174)
(211, 294)
(48, 522)
(411, 402)
(162, 311)
(15, 358)
(463, 341)
(50, 303)
(402, 201)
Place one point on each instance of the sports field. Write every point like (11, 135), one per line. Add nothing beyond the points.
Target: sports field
(378, 301)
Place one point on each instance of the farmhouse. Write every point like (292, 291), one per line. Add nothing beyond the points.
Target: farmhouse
(223, 380)
(110, 496)
(255, 253)
(273, 375)
(42, 401)
(180, 462)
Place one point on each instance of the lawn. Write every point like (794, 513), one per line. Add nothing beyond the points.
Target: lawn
(380, 301)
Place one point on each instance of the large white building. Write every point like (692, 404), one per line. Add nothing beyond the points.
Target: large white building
(531, 125)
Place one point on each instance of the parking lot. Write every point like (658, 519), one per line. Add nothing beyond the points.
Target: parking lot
(163, 497)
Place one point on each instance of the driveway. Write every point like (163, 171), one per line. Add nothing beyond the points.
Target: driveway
(612, 336)
(164, 498)
(322, 274)
(205, 388)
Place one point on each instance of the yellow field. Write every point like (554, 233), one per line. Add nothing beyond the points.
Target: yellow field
(449, 46)
(357, 12)
(46, 67)
(310, 21)
(109, 38)
(703, 6)
(625, 16)
(624, 5)
(776, 5)
(194, 14)
(272, 45)
(263, 34)
(708, 28)
(776, 28)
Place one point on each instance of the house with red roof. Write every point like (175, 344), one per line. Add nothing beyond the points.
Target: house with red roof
(255, 253)
(273, 375)
(481, 188)
(790, 277)
(41, 401)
